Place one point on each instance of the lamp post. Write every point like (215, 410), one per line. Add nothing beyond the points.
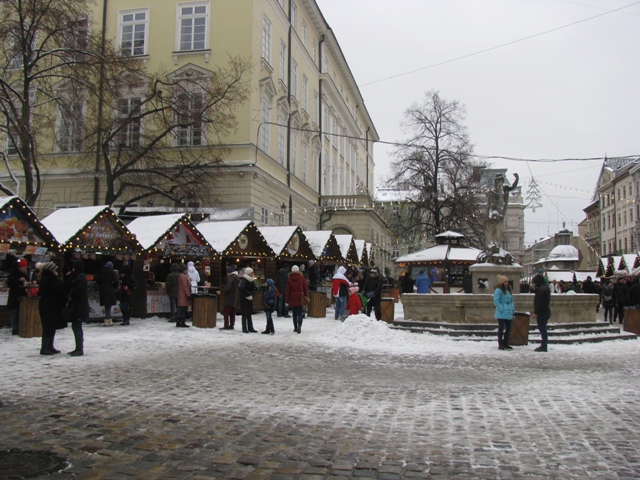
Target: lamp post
(283, 211)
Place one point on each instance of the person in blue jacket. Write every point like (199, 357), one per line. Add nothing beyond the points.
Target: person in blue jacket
(503, 300)
(423, 283)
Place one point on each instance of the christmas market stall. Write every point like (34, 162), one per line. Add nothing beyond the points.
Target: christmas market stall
(97, 236)
(348, 249)
(238, 243)
(368, 247)
(326, 251)
(22, 236)
(446, 263)
(362, 253)
(289, 245)
(166, 239)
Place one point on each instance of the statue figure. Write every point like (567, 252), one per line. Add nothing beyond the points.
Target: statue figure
(497, 202)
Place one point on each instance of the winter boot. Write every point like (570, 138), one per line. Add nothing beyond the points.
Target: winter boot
(108, 322)
(44, 349)
(500, 345)
(76, 353)
(51, 347)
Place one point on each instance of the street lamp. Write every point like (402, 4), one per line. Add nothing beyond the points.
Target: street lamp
(283, 211)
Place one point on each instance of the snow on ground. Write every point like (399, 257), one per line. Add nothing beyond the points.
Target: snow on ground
(146, 337)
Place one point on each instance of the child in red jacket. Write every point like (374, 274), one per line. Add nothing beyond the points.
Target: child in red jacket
(354, 304)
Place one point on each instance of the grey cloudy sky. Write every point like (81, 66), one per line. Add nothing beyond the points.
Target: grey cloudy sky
(573, 92)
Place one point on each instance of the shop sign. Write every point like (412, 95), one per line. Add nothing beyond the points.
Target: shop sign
(15, 228)
(103, 234)
(294, 244)
(187, 250)
(243, 241)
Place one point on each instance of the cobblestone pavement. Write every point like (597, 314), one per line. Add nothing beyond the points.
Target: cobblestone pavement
(258, 411)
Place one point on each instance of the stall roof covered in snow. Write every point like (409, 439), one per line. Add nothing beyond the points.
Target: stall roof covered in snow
(149, 230)
(278, 237)
(221, 234)
(318, 240)
(66, 222)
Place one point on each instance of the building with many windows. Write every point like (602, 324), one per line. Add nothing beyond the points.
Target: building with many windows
(302, 152)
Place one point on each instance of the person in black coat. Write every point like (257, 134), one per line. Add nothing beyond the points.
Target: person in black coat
(622, 299)
(282, 277)
(373, 292)
(128, 284)
(407, 282)
(246, 290)
(109, 283)
(17, 283)
(52, 293)
(541, 309)
(80, 299)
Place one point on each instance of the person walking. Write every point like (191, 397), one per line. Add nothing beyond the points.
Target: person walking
(282, 276)
(541, 309)
(297, 289)
(17, 283)
(171, 287)
(373, 292)
(423, 283)
(608, 296)
(503, 300)
(246, 290)
(230, 292)
(622, 299)
(128, 284)
(269, 300)
(340, 290)
(80, 300)
(109, 283)
(52, 293)
(184, 297)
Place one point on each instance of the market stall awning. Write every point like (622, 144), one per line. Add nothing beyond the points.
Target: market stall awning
(96, 229)
(235, 239)
(347, 249)
(19, 227)
(324, 245)
(361, 251)
(171, 235)
(288, 243)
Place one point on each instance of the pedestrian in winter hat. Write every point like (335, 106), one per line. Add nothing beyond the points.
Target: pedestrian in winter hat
(503, 300)
(231, 268)
(295, 268)
(50, 266)
(501, 279)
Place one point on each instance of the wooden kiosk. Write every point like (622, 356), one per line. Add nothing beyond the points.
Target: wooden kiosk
(348, 249)
(22, 234)
(95, 235)
(240, 243)
(166, 239)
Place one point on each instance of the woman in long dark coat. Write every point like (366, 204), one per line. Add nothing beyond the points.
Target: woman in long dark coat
(80, 298)
(246, 290)
(53, 297)
(109, 284)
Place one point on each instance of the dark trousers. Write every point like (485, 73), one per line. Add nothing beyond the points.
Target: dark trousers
(15, 321)
(269, 314)
(78, 335)
(125, 308)
(619, 313)
(229, 314)
(504, 330)
(374, 304)
(542, 321)
(247, 323)
(283, 310)
(296, 313)
(609, 314)
(181, 314)
(173, 304)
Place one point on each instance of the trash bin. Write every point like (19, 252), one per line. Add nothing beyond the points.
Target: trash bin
(395, 293)
(520, 329)
(386, 309)
(29, 318)
(631, 320)
(317, 304)
(204, 311)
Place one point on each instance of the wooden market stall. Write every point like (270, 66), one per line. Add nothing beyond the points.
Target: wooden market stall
(240, 243)
(326, 250)
(22, 235)
(446, 263)
(165, 239)
(348, 249)
(362, 253)
(95, 235)
(289, 245)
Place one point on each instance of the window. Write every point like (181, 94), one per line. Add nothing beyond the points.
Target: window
(189, 120)
(77, 38)
(618, 194)
(314, 53)
(294, 152)
(70, 127)
(630, 189)
(305, 160)
(631, 216)
(282, 68)
(305, 93)
(264, 128)
(193, 20)
(133, 33)
(129, 115)
(304, 33)
(294, 79)
(294, 15)
(624, 191)
(281, 139)
(266, 39)
(315, 106)
(264, 215)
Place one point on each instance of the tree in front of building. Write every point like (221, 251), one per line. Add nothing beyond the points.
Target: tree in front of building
(435, 162)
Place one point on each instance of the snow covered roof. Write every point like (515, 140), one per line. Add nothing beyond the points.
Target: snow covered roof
(360, 244)
(67, 222)
(318, 240)
(629, 261)
(439, 253)
(221, 234)
(149, 230)
(450, 234)
(564, 252)
(278, 237)
(345, 242)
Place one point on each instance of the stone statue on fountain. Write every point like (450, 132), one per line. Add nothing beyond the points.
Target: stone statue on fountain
(497, 202)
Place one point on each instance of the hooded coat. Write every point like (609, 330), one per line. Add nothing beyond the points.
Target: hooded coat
(340, 284)
(230, 290)
(542, 297)
(109, 284)
(297, 287)
(269, 298)
(246, 290)
(53, 298)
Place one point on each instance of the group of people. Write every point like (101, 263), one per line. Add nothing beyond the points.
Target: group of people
(65, 298)
(356, 291)
(292, 297)
(618, 293)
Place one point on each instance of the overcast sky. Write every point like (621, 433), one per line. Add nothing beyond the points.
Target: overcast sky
(573, 92)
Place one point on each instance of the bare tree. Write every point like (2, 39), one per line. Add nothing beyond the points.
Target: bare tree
(161, 136)
(435, 163)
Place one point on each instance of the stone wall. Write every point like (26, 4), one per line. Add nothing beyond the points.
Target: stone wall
(479, 308)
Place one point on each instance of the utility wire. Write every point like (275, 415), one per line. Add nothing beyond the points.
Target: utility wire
(498, 46)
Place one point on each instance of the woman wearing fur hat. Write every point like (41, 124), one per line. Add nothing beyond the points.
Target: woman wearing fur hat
(503, 300)
(52, 300)
(247, 288)
(297, 288)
